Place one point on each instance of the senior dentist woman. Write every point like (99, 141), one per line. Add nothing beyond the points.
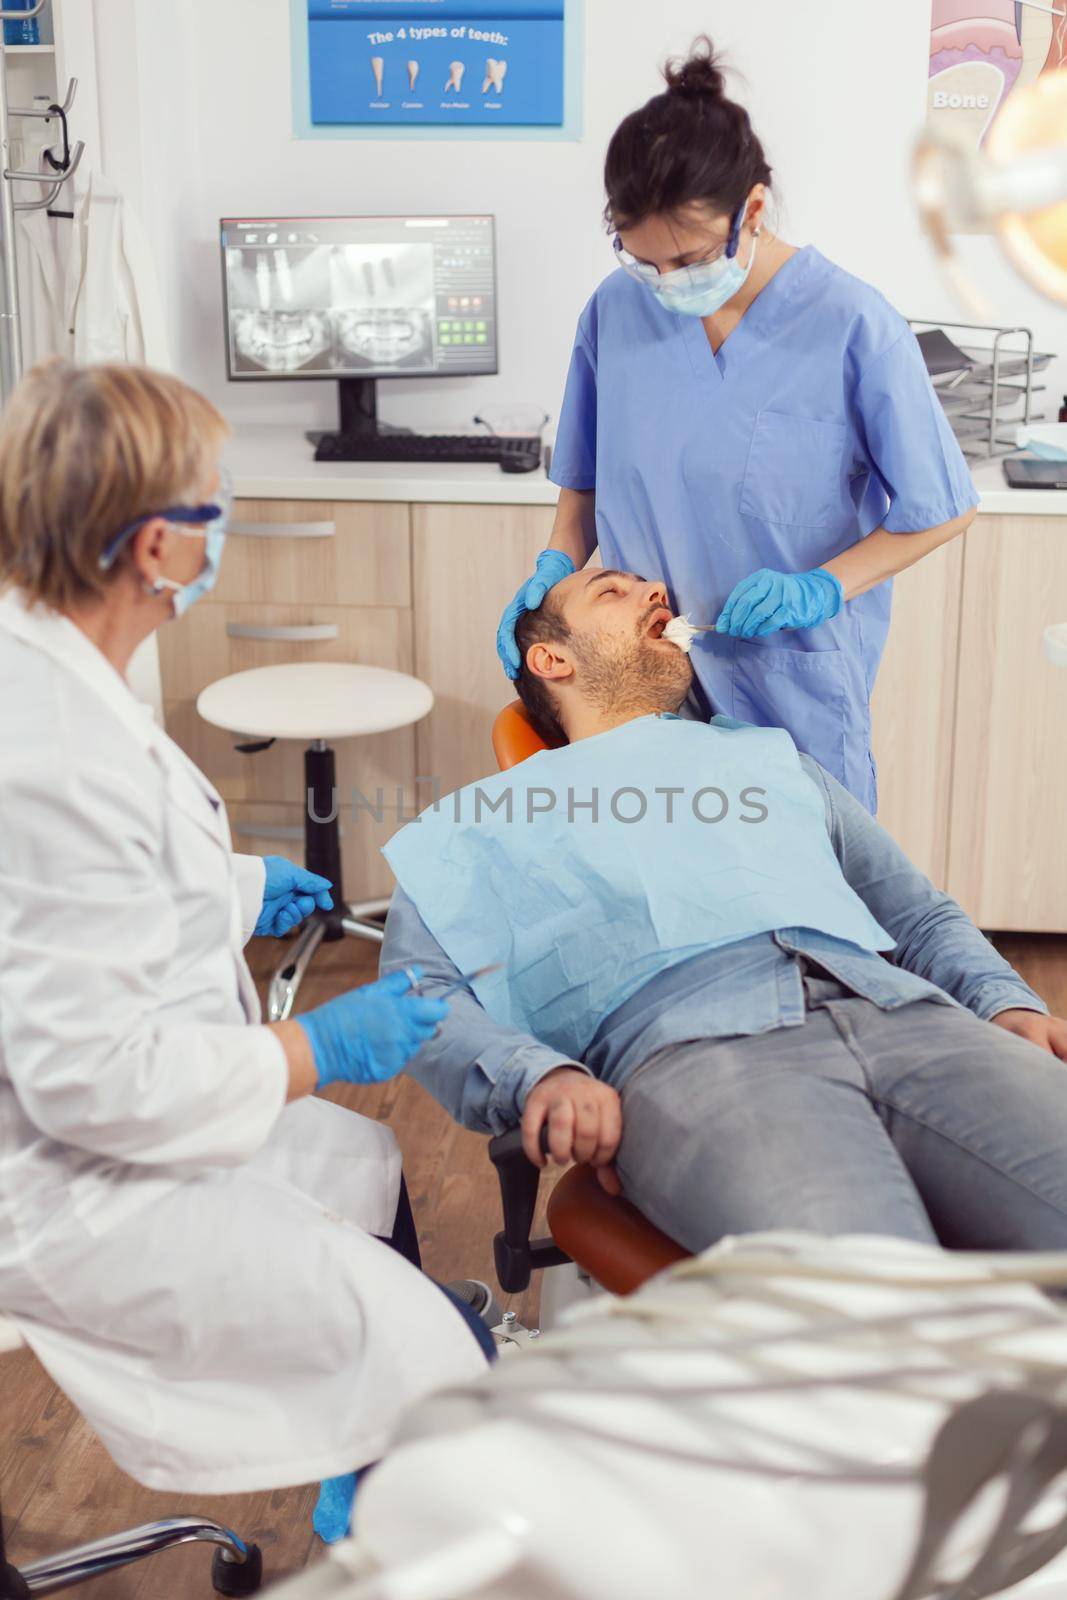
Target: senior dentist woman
(187, 1241)
(751, 424)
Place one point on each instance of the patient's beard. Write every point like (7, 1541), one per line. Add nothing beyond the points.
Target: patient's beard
(621, 679)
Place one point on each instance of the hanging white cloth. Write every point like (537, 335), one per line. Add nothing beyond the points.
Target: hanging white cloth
(88, 285)
(88, 291)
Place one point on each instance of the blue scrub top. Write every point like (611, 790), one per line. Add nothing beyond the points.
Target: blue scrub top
(814, 424)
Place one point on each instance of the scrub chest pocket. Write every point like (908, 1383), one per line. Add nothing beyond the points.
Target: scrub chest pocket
(794, 475)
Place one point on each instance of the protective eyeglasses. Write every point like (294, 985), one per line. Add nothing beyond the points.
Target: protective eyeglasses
(645, 272)
(196, 519)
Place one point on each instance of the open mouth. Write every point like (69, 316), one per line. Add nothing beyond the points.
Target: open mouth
(660, 618)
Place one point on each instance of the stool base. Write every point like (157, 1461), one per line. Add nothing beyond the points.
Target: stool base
(364, 919)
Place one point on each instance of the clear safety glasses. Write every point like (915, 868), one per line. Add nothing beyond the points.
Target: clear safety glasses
(646, 273)
(197, 519)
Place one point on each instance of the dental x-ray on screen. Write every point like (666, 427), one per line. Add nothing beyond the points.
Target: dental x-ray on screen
(369, 297)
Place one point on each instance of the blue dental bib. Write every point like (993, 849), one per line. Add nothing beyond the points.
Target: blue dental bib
(589, 869)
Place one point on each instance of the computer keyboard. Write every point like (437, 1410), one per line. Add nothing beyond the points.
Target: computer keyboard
(513, 454)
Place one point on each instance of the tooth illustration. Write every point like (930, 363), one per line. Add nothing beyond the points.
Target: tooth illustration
(456, 69)
(413, 72)
(494, 74)
(378, 68)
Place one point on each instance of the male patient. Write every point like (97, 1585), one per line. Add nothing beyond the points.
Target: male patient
(694, 923)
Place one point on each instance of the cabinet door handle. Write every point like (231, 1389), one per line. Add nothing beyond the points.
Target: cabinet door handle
(284, 530)
(267, 830)
(307, 633)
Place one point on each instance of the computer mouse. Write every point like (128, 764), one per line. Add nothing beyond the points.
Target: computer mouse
(519, 463)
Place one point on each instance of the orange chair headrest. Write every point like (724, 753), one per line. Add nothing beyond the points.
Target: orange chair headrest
(513, 736)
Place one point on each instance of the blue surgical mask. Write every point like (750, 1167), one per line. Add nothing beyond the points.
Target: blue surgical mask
(703, 288)
(192, 522)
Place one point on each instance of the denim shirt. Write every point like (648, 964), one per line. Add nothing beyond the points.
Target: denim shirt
(482, 1072)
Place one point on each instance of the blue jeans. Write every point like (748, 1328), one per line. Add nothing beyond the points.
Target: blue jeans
(922, 1122)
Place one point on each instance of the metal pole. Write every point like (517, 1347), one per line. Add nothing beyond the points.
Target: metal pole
(10, 325)
(10, 322)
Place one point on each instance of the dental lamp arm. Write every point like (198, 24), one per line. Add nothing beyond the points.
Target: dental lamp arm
(935, 938)
(479, 1070)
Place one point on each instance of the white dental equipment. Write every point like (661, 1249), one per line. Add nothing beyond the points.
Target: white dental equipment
(784, 1415)
(1016, 185)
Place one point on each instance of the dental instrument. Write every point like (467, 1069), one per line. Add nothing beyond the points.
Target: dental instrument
(890, 1401)
(461, 982)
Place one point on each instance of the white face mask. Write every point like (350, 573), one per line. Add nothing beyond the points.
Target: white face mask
(703, 288)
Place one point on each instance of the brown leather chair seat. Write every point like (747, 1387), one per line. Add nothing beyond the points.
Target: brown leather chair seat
(606, 1235)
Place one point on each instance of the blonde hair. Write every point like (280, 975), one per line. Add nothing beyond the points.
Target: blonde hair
(83, 452)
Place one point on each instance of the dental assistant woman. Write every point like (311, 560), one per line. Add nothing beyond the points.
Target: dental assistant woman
(192, 1246)
(751, 424)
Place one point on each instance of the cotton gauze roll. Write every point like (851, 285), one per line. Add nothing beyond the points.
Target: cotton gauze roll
(680, 631)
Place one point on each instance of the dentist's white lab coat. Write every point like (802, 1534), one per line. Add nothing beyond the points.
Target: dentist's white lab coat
(191, 1259)
(88, 285)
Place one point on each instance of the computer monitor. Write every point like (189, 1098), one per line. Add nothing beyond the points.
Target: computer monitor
(359, 298)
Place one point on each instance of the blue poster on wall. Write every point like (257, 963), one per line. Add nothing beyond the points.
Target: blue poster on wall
(395, 62)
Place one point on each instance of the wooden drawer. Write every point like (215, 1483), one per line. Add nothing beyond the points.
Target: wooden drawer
(384, 760)
(307, 550)
(278, 830)
(209, 643)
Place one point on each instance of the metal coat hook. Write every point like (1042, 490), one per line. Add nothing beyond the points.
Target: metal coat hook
(66, 166)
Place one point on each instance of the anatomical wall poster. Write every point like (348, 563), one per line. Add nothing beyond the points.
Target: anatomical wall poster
(468, 62)
(982, 51)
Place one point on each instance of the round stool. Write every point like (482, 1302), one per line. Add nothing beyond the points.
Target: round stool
(315, 702)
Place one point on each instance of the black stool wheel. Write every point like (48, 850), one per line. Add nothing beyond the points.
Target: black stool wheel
(13, 1585)
(237, 1577)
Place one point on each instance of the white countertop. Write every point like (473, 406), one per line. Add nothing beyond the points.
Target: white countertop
(998, 499)
(273, 463)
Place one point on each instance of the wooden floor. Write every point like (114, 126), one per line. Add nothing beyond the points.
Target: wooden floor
(57, 1485)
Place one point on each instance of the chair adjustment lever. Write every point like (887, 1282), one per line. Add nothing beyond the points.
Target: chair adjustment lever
(515, 1254)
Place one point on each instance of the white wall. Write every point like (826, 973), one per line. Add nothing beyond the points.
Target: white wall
(197, 117)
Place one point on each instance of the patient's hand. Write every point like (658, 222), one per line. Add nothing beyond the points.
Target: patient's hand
(584, 1120)
(1049, 1033)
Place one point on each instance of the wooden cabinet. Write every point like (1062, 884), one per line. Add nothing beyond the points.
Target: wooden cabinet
(1007, 861)
(914, 709)
(467, 561)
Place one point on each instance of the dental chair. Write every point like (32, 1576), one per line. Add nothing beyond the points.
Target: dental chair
(604, 1236)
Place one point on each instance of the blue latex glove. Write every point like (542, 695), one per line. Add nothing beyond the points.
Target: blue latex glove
(768, 601)
(289, 895)
(370, 1034)
(332, 1516)
(552, 567)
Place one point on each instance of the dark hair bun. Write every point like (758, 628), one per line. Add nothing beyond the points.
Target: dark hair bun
(697, 76)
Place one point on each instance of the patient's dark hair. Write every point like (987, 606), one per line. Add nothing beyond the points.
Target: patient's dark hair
(546, 625)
